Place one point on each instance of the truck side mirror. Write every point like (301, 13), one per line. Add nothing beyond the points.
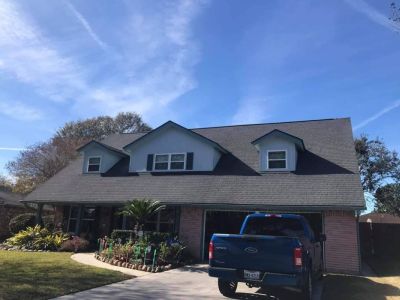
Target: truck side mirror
(322, 237)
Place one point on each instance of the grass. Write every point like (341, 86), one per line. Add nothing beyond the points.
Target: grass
(44, 275)
(385, 286)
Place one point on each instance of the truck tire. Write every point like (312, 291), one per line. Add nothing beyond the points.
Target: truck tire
(308, 287)
(227, 288)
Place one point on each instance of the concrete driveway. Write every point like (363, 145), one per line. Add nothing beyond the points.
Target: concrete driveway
(191, 282)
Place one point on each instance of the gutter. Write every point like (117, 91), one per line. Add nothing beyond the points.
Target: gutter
(221, 206)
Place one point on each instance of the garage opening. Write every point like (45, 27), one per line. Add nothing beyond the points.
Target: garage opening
(231, 221)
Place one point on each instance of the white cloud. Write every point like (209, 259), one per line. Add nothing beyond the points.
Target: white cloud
(379, 114)
(154, 64)
(252, 110)
(29, 57)
(86, 25)
(12, 149)
(373, 14)
(20, 111)
(158, 61)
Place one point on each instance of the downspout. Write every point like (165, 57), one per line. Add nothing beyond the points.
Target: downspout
(358, 240)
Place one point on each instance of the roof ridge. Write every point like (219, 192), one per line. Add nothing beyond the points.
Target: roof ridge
(271, 123)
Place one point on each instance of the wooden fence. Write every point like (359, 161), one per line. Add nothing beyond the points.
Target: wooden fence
(379, 239)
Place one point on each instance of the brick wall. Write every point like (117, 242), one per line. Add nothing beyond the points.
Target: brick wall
(190, 229)
(341, 246)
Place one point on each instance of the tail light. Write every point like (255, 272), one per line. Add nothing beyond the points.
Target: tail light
(211, 250)
(297, 257)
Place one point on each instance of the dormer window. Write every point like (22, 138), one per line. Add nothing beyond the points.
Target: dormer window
(171, 161)
(94, 164)
(277, 160)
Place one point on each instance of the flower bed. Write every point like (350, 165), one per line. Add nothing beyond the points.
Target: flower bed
(153, 252)
(135, 266)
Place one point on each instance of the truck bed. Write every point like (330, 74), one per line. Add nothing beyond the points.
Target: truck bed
(250, 252)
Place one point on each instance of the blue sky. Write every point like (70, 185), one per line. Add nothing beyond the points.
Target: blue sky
(199, 63)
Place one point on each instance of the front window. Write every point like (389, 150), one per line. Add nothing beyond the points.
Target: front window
(94, 164)
(173, 161)
(87, 217)
(163, 221)
(277, 160)
(73, 218)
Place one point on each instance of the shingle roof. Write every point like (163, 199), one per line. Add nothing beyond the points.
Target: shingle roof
(326, 176)
(10, 199)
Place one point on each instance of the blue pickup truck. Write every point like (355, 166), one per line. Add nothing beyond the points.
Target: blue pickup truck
(272, 250)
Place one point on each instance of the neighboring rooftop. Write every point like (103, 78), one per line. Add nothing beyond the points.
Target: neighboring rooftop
(326, 175)
(10, 199)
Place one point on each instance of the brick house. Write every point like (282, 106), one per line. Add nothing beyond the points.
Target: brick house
(210, 178)
(10, 206)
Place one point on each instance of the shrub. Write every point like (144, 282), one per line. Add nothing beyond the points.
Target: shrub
(171, 254)
(21, 222)
(157, 238)
(75, 244)
(123, 236)
(37, 238)
(48, 222)
(123, 252)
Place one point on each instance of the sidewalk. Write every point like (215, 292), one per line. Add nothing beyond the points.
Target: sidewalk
(89, 259)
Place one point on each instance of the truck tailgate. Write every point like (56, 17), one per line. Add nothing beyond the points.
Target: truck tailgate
(262, 253)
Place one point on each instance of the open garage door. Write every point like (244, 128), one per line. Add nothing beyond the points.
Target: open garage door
(217, 221)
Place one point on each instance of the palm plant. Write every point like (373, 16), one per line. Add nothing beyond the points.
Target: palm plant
(140, 210)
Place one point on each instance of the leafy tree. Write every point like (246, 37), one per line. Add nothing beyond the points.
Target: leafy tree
(140, 210)
(43, 160)
(380, 173)
(5, 184)
(377, 164)
(388, 199)
(395, 13)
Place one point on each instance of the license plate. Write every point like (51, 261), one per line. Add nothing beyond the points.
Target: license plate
(251, 275)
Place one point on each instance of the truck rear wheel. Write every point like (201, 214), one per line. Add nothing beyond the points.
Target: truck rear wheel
(227, 288)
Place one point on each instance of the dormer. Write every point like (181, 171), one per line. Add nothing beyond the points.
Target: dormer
(173, 148)
(99, 157)
(278, 151)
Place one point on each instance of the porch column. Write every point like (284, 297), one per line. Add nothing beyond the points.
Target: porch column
(38, 217)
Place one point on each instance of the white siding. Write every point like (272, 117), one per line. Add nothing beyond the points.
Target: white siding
(172, 140)
(278, 143)
(108, 158)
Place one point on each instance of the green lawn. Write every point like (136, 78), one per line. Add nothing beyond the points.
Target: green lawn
(385, 286)
(43, 275)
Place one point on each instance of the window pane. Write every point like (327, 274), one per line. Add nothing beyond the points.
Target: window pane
(167, 215)
(94, 168)
(72, 225)
(94, 160)
(177, 165)
(162, 158)
(166, 227)
(150, 227)
(277, 155)
(74, 212)
(161, 166)
(177, 157)
(89, 213)
(277, 164)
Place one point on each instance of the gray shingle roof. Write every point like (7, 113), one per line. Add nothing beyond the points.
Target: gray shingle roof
(326, 175)
(10, 199)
